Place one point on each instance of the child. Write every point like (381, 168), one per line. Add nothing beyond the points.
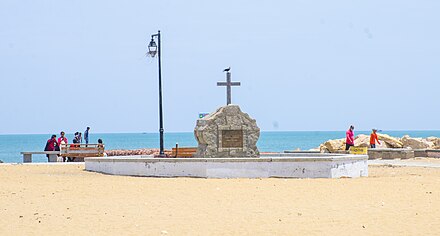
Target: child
(101, 145)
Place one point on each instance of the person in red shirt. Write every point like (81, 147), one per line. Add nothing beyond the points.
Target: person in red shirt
(51, 145)
(373, 139)
(349, 141)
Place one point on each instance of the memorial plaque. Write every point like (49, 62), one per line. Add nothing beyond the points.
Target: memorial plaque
(232, 138)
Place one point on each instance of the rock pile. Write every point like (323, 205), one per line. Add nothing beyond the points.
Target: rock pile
(387, 141)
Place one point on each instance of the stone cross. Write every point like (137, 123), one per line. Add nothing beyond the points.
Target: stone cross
(228, 85)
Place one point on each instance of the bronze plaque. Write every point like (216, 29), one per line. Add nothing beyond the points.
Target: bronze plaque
(232, 138)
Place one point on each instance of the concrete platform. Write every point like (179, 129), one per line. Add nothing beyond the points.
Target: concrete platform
(283, 165)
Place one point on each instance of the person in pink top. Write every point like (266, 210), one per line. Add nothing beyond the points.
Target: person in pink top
(349, 141)
(62, 138)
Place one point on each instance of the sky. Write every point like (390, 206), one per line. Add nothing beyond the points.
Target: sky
(303, 65)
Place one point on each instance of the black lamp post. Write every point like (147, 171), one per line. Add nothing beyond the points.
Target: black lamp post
(154, 49)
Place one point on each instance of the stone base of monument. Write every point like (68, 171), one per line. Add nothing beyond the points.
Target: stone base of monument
(281, 165)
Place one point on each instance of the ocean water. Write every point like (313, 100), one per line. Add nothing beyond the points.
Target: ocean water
(12, 145)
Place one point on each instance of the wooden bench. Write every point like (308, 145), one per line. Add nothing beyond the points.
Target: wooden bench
(27, 156)
(183, 152)
(77, 152)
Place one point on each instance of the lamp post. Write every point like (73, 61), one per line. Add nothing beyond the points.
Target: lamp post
(154, 49)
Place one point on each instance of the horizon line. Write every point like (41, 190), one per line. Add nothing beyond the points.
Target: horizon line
(174, 132)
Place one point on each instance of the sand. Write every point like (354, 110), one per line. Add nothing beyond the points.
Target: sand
(64, 199)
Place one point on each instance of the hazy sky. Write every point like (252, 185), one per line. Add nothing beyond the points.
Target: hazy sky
(303, 65)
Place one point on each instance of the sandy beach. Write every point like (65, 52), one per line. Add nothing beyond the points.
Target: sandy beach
(41, 199)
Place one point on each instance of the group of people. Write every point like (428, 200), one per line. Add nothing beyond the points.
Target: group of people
(78, 136)
(53, 144)
(349, 141)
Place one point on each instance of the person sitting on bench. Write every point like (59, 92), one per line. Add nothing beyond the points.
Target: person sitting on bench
(51, 145)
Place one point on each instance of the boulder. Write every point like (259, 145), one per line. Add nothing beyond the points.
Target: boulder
(323, 149)
(416, 143)
(435, 141)
(334, 145)
(362, 140)
(431, 144)
(432, 139)
(382, 145)
(390, 141)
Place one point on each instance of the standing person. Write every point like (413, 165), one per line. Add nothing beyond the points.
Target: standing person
(86, 135)
(51, 145)
(62, 138)
(349, 141)
(373, 139)
(80, 139)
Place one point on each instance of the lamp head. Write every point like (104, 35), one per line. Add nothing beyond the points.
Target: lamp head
(152, 48)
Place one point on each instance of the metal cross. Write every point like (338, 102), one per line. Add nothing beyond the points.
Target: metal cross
(228, 85)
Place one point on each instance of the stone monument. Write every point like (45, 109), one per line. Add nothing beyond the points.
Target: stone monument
(227, 132)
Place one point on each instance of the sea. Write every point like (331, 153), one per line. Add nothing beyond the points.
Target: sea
(270, 141)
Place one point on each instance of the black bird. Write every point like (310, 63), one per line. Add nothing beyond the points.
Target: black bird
(227, 69)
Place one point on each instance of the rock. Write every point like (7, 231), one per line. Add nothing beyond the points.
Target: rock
(362, 140)
(1, 161)
(382, 145)
(432, 139)
(429, 143)
(435, 141)
(335, 145)
(323, 149)
(390, 141)
(227, 132)
(416, 143)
